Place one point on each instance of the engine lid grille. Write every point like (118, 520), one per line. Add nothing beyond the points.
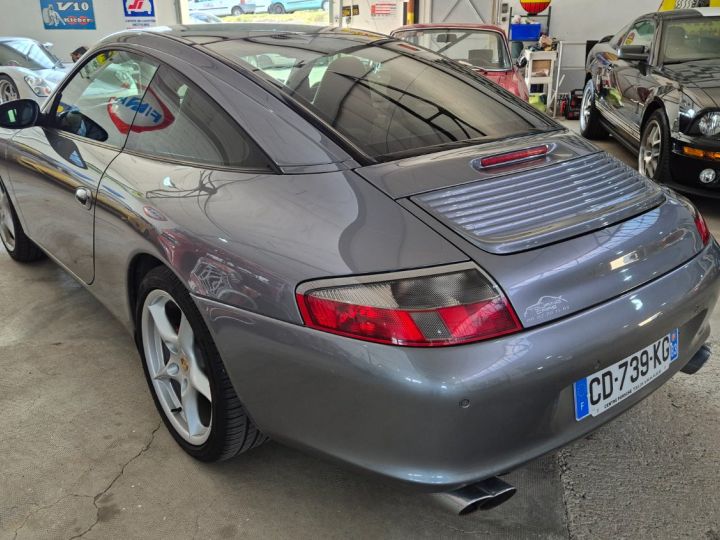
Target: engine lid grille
(517, 212)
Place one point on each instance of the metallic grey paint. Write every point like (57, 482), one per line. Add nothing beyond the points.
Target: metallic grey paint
(243, 242)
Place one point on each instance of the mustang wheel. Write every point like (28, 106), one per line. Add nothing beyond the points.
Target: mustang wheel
(654, 156)
(237, 10)
(590, 126)
(8, 90)
(13, 237)
(188, 381)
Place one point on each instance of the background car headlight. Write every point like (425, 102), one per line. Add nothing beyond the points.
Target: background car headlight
(38, 85)
(709, 124)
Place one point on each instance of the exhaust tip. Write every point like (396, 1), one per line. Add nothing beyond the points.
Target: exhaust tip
(484, 495)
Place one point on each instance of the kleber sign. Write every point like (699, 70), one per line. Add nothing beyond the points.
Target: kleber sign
(133, 114)
(60, 15)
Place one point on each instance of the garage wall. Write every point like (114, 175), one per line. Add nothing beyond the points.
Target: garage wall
(24, 18)
(577, 21)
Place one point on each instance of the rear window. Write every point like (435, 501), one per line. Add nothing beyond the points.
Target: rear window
(480, 48)
(386, 96)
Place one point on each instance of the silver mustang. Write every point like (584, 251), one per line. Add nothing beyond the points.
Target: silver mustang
(355, 246)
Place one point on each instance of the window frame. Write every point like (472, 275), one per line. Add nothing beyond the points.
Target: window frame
(273, 167)
(645, 19)
(52, 104)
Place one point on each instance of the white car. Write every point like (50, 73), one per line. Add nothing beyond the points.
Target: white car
(222, 7)
(28, 70)
(204, 18)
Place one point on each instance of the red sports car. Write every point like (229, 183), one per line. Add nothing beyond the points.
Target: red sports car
(482, 46)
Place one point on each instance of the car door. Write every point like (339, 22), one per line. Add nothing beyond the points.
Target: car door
(55, 168)
(629, 79)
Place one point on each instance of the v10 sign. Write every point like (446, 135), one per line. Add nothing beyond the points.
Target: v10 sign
(59, 15)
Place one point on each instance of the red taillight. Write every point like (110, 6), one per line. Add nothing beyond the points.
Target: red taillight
(424, 311)
(702, 227)
(520, 155)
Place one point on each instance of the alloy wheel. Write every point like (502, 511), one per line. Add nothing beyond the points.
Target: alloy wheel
(176, 367)
(7, 226)
(7, 92)
(650, 150)
(586, 106)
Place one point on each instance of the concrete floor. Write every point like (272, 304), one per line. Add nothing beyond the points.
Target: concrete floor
(83, 452)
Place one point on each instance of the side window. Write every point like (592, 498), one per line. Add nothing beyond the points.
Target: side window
(617, 38)
(641, 33)
(101, 100)
(179, 121)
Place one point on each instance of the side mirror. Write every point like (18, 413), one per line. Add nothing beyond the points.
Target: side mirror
(633, 53)
(521, 62)
(19, 114)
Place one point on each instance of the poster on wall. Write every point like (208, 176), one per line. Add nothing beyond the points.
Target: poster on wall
(383, 9)
(139, 13)
(59, 15)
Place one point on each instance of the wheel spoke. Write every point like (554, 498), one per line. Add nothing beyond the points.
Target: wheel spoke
(199, 381)
(191, 411)
(163, 326)
(169, 371)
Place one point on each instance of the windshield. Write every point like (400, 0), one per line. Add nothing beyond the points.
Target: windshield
(26, 53)
(691, 39)
(480, 48)
(385, 96)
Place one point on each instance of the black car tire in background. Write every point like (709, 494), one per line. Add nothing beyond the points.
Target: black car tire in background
(277, 9)
(654, 155)
(232, 431)
(237, 10)
(22, 249)
(590, 126)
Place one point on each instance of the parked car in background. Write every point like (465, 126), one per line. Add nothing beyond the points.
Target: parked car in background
(222, 8)
(655, 86)
(356, 246)
(28, 69)
(204, 18)
(480, 46)
(290, 6)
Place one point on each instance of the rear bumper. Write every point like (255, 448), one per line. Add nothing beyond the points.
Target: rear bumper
(399, 411)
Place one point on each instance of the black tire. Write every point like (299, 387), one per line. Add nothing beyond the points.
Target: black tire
(237, 10)
(24, 250)
(4, 79)
(661, 172)
(590, 126)
(278, 9)
(232, 431)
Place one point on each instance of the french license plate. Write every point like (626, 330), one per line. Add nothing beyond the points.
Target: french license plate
(598, 392)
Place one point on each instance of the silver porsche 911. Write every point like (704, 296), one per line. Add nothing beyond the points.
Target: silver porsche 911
(358, 247)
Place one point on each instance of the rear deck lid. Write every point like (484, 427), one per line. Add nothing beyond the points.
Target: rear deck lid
(559, 234)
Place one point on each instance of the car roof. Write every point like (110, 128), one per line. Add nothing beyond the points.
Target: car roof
(686, 13)
(199, 34)
(468, 26)
(16, 38)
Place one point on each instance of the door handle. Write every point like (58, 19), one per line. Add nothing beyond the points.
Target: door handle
(84, 197)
